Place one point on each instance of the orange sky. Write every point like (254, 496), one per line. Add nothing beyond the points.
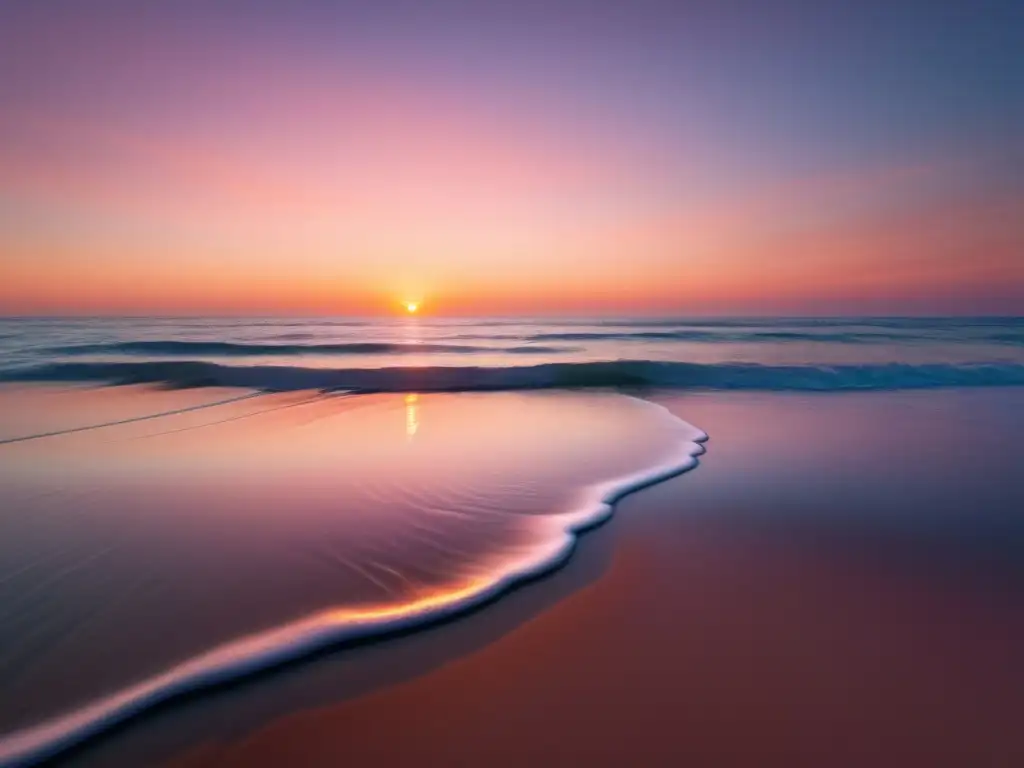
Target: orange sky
(229, 174)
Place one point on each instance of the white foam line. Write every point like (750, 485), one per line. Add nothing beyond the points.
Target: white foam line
(263, 650)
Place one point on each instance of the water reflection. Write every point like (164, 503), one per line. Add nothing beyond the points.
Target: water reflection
(412, 422)
(412, 333)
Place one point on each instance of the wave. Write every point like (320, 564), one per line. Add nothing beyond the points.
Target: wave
(738, 334)
(764, 321)
(906, 322)
(1006, 338)
(715, 336)
(254, 653)
(233, 349)
(610, 374)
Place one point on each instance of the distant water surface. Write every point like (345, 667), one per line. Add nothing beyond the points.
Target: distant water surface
(459, 354)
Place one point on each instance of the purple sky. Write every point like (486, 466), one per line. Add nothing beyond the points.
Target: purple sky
(664, 157)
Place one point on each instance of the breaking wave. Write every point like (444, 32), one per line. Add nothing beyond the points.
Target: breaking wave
(610, 374)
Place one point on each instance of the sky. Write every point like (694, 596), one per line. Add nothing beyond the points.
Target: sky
(649, 157)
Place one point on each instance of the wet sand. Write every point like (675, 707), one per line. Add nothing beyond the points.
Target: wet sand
(839, 583)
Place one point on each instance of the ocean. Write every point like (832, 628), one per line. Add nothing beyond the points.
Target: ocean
(257, 490)
(426, 354)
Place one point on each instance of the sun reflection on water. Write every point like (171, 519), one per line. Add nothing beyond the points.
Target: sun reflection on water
(412, 423)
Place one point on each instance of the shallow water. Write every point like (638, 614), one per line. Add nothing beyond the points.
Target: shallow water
(839, 583)
(154, 541)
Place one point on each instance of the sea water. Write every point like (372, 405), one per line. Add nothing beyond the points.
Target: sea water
(422, 354)
(257, 489)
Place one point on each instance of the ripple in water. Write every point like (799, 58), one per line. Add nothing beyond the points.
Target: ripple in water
(159, 556)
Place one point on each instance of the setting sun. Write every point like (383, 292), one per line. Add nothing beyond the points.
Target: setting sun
(411, 307)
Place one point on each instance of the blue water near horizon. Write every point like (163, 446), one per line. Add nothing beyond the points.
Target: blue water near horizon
(452, 354)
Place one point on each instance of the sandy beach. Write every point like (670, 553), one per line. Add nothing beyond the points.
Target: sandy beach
(855, 600)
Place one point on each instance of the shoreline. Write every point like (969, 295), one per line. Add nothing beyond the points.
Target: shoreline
(864, 633)
(233, 663)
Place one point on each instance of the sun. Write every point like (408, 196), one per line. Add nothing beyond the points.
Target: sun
(412, 307)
